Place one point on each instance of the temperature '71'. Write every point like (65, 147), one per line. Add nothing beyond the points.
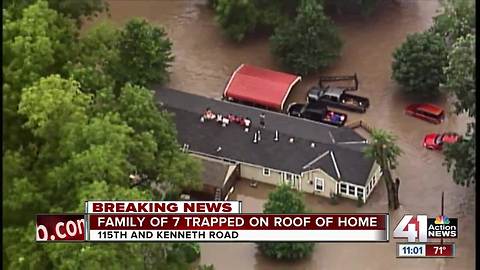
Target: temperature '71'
(439, 250)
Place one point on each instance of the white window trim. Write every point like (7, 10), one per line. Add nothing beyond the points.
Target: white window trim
(358, 189)
(290, 182)
(346, 188)
(354, 190)
(266, 172)
(322, 181)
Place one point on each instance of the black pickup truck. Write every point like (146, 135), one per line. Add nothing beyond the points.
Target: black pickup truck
(317, 112)
(337, 96)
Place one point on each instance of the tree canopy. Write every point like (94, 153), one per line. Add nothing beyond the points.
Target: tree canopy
(456, 20)
(237, 17)
(285, 200)
(144, 54)
(457, 27)
(418, 63)
(308, 44)
(461, 83)
(74, 9)
(76, 125)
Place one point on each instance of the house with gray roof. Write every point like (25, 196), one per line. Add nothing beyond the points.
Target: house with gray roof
(309, 156)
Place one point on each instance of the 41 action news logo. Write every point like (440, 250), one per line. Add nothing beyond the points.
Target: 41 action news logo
(422, 228)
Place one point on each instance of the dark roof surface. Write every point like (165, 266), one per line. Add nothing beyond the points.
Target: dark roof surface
(236, 144)
(214, 172)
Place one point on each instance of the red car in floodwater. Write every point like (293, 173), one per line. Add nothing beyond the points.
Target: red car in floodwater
(435, 141)
(427, 112)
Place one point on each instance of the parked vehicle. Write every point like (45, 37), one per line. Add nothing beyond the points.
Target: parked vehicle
(317, 112)
(427, 112)
(435, 141)
(337, 96)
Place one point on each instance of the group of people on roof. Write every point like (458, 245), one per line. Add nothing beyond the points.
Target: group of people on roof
(224, 120)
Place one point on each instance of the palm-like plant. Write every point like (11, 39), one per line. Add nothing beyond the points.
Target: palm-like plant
(384, 151)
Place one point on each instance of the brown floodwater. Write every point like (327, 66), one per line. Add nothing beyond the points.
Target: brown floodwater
(204, 60)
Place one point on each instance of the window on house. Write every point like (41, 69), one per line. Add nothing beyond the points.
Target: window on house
(343, 188)
(351, 190)
(319, 184)
(288, 179)
(368, 189)
(360, 192)
(266, 171)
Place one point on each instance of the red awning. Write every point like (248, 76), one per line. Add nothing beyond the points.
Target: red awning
(260, 86)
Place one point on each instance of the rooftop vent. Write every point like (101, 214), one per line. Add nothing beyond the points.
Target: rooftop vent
(259, 135)
(291, 140)
(219, 149)
(276, 136)
(312, 145)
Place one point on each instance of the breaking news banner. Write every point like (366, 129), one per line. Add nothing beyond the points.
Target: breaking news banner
(157, 207)
(238, 227)
(207, 221)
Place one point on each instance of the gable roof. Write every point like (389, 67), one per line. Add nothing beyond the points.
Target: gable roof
(345, 145)
(260, 86)
(214, 172)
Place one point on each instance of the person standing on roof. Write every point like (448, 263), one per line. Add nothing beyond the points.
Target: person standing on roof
(262, 120)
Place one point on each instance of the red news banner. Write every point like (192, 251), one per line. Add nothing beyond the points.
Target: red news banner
(222, 221)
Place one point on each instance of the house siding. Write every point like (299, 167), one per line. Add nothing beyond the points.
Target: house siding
(308, 183)
(256, 173)
(373, 179)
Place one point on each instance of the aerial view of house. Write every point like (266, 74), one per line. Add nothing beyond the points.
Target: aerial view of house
(309, 156)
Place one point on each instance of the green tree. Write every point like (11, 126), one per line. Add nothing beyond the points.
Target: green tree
(237, 17)
(457, 20)
(97, 51)
(385, 152)
(156, 152)
(365, 7)
(74, 149)
(285, 200)
(75, 9)
(418, 63)
(144, 54)
(460, 74)
(35, 44)
(274, 14)
(309, 43)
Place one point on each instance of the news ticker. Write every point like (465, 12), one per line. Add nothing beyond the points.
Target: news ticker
(207, 221)
(434, 250)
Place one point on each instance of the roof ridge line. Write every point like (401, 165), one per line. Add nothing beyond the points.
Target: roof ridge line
(335, 164)
(316, 159)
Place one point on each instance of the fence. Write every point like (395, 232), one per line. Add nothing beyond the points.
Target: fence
(362, 124)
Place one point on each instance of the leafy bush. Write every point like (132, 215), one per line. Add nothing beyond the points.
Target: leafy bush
(285, 200)
(418, 63)
(308, 44)
(236, 17)
(144, 54)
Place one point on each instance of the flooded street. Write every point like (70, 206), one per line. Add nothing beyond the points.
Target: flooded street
(204, 60)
